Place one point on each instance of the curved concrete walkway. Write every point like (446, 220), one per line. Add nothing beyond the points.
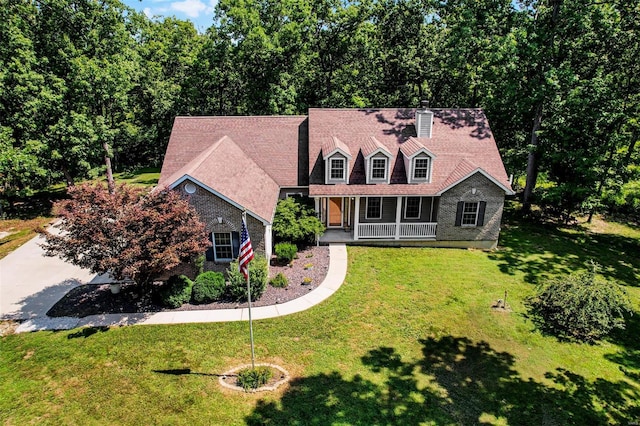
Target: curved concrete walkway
(30, 284)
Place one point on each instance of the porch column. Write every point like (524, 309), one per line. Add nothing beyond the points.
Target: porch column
(356, 219)
(268, 243)
(398, 216)
(318, 212)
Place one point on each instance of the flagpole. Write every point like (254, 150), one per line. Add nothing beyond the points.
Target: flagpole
(253, 354)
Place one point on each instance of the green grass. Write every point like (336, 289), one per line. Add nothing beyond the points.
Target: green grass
(144, 177)
(410, 338)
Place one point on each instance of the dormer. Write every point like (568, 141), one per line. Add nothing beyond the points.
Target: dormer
(377, 161)
(424, 120)
(418, 161)
(337, 157)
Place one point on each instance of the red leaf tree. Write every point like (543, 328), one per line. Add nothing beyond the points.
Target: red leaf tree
(132, 233)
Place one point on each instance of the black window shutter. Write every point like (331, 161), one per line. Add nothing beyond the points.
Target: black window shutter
(459, 213)
(481, 208)
(209, 253)
(235, 243)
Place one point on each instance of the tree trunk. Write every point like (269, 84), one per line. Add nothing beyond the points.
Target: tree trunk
(67, 177)
(107, 162)
(532, 161)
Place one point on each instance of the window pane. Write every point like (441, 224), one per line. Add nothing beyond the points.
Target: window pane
(337, 168)
(379, 166)
(374, 208)
(222, 242)
(421, 168)
(412, 210)
(470, 213)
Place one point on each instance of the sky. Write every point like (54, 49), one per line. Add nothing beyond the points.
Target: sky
(200, 12)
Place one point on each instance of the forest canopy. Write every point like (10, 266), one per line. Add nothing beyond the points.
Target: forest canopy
(87, 85)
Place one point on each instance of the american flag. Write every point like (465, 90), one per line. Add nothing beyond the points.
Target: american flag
(246, 251)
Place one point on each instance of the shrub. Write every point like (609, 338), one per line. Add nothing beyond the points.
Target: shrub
(208, 287)
(176, 292)
(296, 221)
(279, 281)
(253, 378)
(286, 252)
(581, 306)
(258, 277)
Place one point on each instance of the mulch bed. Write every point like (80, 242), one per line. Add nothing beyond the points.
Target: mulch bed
(96, 299)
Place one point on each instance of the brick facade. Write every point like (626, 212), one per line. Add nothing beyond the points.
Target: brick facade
(485, 191)
(211, 207)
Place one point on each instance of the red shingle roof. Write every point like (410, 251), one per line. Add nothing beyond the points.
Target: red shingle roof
(275, 143)
(225, 168)
(458, 135)
(333, 143)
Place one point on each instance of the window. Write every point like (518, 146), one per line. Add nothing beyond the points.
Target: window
(374, 208)
(412, 208)
(379, 168)
(470, 214)
(222, 246)
(336, 171)
(421, 168)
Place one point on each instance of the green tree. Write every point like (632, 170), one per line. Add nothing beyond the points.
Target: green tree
(296, 221)
(580, 306)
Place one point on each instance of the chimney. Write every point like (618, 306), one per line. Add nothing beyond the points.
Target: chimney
(424, 120)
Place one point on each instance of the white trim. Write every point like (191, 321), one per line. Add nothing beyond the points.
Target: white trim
(356, 219)
(215, 255)
(406, 202)
(328, 180)
(409, 165)
(483, 173)
(337, 151)
(366, 212)
(385, 167)
(293, 194)
(414, 159)
(368, 160)
(475, 221)
(217, 194)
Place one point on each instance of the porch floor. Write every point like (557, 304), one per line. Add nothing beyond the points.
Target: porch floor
(336, 236)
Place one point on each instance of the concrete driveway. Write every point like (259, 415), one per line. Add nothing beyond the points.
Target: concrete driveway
(31, 283)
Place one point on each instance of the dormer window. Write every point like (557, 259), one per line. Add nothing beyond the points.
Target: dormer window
(379, 168)
(418, 161)
(337, 169)
(376, 161)
(421, 168)
(337, 157)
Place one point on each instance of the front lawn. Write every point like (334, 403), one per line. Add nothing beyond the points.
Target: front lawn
(410, 338)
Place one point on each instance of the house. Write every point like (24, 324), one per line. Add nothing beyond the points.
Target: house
(378, 176)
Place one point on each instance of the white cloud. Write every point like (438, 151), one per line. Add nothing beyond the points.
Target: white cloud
(192, 8)
(147, 11)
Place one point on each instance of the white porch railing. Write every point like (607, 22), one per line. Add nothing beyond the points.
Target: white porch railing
(418, 230)
(391, 230)
(377, 230)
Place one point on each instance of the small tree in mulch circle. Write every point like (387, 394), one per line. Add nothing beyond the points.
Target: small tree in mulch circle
(131, 234)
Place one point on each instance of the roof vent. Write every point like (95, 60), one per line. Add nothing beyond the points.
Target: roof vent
(424, 120)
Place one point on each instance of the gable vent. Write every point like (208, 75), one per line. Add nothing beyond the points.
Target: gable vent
(424, 120)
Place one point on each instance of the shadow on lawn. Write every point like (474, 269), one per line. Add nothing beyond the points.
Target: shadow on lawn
(541, 250)
(457, 380)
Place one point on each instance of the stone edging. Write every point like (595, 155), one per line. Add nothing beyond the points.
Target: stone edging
(260, 389)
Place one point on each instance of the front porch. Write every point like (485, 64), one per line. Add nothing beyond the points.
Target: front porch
(351, 219)
(381, 231)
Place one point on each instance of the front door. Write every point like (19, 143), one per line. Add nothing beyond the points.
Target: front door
(335, 212)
